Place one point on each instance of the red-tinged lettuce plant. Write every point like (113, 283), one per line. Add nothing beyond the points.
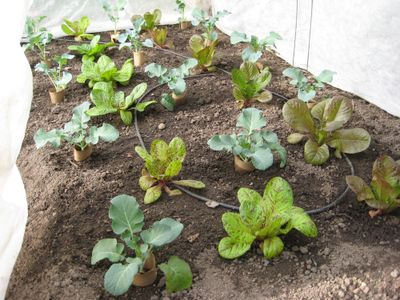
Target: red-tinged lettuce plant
(162, 164)
(264, 219)
(322, 127)
(383, 194)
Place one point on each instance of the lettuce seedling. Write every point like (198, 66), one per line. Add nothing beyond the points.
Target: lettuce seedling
(307, 89)
(159, 36)
(77, 28)
(107, 101)
(162, 164)
(256, 46)
(201, 17)
(57, 76)
(38, 37)
(92, 50)
(175, 79)
(132, 39)
(252, 143)
(127, 222)
(181, 6)
(263, 219)
(322, 127)
(105, 70)
(77, 132)
(249, 81)
(203, 51)
(113, 10)
(383, 194)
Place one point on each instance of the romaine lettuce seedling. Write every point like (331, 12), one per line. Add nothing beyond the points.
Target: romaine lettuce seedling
(57, 76)
(152, 19)
(132, 39)
(262, 219)
(77, 132)
(181, 9)
(113, 10)
(105, 70)
(383, 194)
(322, 127)
(107, 101)
(252, 144)
(307, 89)
(256, 46)
(130, 260)
(162, 164)
(249, 81)
(77, 28)
(38, 37)
(92, 50)
(203, 52)
(201, 17)
(175, 79)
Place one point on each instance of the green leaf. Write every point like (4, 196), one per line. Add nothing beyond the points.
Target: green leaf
(222, 142)
(126, 72)
(278, 195)
(231, 248)
(196, 43)
(146, 182)
(177, 149)
(159, 150)
(252, 214)
(119, 277)
(106, 132)
(302, 222)
(190, 183)
(262, 158)
(141, 107)
(326, 76)
(246, 194)
(107, 248)
(235, 227)
(168, 102)
(314, 154)
(239, 37)
(53, 137)
(264, 97)
(297, 115)
(125, 215)
(152, 194)
(251, 119)
(173, 169)
(162, 232)
(295, 138)
(126, 117)
(178, 274)
(272, 247)
(350, 141)
(136, 93)
(143, 154)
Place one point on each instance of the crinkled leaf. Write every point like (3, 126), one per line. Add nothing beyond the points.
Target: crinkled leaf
(177, 149)
(278, 196)
(146, 182)
(302, 222)
(386, 169)
(53, 137)
(272, 247)
(239, 37)
(168, 102)
(231, 248)
(222, 142)
(173, 169)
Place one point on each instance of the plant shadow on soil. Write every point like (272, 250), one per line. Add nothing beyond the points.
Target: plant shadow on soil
(69, 202)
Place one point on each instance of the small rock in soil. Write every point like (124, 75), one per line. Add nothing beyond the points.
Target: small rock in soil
(303, 250)
(161, 126)
(161, 283)
(394, 273)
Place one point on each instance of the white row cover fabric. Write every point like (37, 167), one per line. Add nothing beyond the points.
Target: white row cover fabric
(15, 101)
(357, 39)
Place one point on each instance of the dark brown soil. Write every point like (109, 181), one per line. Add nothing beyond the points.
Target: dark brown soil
(354, 257)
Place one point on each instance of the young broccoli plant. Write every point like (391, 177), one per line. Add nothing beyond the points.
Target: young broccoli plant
(77, 28)
(256, 47)
(249, 81)
(162, 164)
(322, 127)
(92, 50)
(134, 262)
(203, 52)
(181, 7)
(174, 78)
(200, 17)
(113, 10)
(77, 133)
(57, 76)
(383, 194)
(107, 101)
(263, 219)
(105, 70)
(252, 145)
(307, 89)
(38, 37)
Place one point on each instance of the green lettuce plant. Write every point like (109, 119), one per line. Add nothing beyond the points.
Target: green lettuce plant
(249, 82)
(203, 51)
(105, 70)
(256, 47)
(307, 88)
(162, 164)
(159, 37)
(252, 143)
(77, 28)
(92, 50)
(77, 132)
(201, 17)
(58, 77)
(383, 193)
(107, 101)
(132, 39)
(113, 10)
(129, 259)
(322, 127)
(175, 79)
(262, 219)
(38, 37)
(181, 6)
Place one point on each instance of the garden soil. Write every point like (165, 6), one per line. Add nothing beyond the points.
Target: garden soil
(354, 256)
